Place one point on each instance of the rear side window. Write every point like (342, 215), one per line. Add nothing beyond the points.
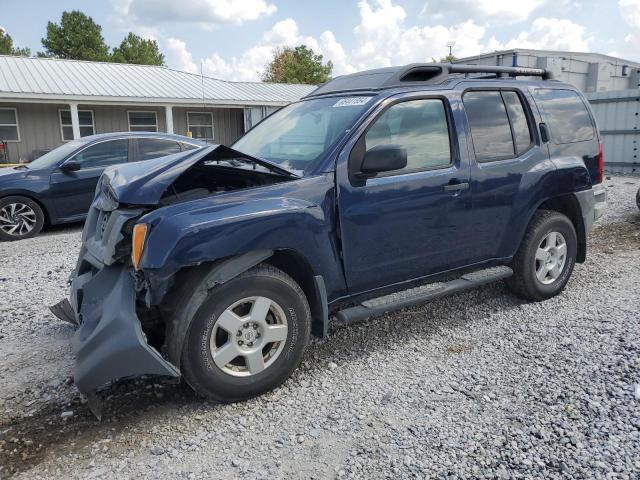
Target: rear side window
(519, 123)
(421, 127)
(566, 114)
(155, 147)
(489, 124)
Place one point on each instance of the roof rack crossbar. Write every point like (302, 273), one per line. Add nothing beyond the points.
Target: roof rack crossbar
(499, 71)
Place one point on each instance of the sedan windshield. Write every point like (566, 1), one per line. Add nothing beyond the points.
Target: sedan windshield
(296, 136)
(54, 156)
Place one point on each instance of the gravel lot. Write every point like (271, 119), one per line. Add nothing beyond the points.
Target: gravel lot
(478, 385)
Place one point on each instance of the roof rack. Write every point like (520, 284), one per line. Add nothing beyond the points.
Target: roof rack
(419, 74)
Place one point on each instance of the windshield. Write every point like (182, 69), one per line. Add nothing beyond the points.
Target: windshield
(296, 136)
(54, 156)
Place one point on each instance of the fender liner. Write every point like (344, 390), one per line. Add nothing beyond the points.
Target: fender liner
(193, 291)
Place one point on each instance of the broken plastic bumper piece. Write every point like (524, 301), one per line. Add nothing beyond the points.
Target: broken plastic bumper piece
(110, 344)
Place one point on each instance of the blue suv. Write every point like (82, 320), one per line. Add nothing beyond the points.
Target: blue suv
(379, 190)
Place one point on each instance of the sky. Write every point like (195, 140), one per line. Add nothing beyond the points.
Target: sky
(234, 39)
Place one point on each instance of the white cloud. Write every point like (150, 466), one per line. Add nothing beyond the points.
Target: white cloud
(509, 11)
(206, 13)
(547, 34)
(630, 12)
(179, 57)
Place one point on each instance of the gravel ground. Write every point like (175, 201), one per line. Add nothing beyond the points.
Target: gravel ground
(478, 385)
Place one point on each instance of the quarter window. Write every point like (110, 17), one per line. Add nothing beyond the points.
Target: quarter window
(104, 153)
(155, 147)
(567, 115)
(421, 127)
(143, 122)
(9, 131)
(85, 121)
(200, 124)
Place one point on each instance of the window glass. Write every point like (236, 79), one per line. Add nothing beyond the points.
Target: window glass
(85, 121)
(188, 146)
(143, 122)
(420, 126)
(104, 153)
(519, 123)
(489, 125)
(568, 118)
(155, 147)
(9, 125)
(200, 124)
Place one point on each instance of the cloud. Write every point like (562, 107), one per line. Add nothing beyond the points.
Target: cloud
(205, 13)
(547, 34)
(509, 11)
(630, 12)
(179, 57)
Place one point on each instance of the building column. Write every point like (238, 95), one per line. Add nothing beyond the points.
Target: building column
(169, 118)
(75, 122)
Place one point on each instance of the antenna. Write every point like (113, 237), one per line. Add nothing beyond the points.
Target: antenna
(450, 45)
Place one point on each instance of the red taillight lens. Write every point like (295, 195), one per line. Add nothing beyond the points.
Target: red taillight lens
(600, 163)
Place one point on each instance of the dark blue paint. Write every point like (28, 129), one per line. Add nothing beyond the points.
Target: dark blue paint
(66, 196)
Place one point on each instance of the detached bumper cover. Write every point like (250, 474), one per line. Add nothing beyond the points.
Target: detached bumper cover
(109, 344)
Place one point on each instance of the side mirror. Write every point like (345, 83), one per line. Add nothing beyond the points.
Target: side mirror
(384, 158)
(70, 166)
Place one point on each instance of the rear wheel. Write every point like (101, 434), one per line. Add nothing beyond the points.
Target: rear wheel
(247, 337)
(545, 260)
(20, 217)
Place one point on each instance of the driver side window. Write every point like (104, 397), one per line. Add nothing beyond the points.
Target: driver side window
(421, 127)
(104, 154)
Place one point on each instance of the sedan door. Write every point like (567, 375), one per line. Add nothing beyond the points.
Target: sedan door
(412, 222)
(72, 191)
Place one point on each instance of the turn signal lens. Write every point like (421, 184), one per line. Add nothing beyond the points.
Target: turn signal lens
(139, 236)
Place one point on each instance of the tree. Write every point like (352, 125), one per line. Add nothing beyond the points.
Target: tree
(297, 65)
(135, 49)
(448, 59)
(77, 37)
(7, 48)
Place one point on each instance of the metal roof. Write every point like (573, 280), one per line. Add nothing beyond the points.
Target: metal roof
(584, 56)
(55, 79)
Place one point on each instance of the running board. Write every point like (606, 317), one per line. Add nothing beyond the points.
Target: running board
(413, 296)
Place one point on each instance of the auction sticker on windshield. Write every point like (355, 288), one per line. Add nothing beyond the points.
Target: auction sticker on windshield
(351, 101)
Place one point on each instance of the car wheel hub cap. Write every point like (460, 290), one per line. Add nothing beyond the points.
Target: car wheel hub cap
(17, 219)
(248, 336)
(550, 258)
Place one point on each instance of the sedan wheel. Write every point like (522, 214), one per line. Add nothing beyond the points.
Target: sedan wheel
(20, 217)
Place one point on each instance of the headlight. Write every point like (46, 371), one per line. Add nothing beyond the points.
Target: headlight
(139, 236)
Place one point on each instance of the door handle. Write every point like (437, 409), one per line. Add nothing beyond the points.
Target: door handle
(456, 187)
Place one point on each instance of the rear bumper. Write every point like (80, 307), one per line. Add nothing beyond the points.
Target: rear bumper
(110, 344)
(593, 203)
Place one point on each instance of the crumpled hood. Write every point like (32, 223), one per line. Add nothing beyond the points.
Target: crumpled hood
(144, 183)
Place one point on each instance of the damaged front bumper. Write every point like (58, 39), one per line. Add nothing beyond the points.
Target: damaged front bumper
(110, 344)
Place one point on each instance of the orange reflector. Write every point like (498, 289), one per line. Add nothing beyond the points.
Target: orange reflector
(139, 235)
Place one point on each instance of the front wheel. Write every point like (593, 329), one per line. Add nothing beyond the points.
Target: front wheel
(247, 337)
(20, 217)
(546, 257)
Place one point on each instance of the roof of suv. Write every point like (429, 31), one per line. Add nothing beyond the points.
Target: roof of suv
(420, 74)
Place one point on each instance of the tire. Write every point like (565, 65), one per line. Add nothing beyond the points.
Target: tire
(638, 198)
(220, 330)
(540, 250)
(20, 217)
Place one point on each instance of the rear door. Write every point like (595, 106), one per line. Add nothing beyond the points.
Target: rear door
(72, 192)
(509, 160)
(148, 148)
(412, 222)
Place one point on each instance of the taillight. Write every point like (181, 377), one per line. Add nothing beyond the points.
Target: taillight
(600, 163)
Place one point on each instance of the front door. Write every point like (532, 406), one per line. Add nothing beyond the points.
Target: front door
(72, 192)
(412, 222)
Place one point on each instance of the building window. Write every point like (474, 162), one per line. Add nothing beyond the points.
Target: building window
(200, 124)
(85, 120)
(9, 131)
(143, 122)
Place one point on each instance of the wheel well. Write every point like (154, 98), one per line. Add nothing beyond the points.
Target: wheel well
(40, 204)
(297, 267)
(569, 206)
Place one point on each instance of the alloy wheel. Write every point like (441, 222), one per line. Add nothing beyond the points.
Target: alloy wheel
(551, 257)
(17, 219)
